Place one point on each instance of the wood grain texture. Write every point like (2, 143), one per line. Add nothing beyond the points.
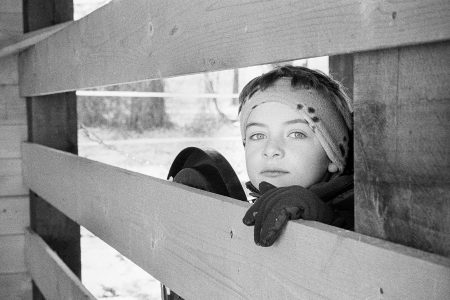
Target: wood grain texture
(9, 73)
(195, 243)
(11, 181)
(52, 121)
(10, 6)
(137, 39)
(10, 166)
(14, 215)
(12, 185)
(54, 279)
(30, 38)
(11, 254)
(11, 136)
(11, 21)
(341, 69)
(402, 142)
(16, 286)
(12, 107)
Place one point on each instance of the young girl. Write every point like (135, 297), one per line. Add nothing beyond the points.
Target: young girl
(296, 127)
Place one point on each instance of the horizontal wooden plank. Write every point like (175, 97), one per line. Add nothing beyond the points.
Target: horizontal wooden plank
(9, 70)
(12, 253)
(14, 215)
(11, 20)
(30, 38)
(11, 181)
(195, 242)
(12, 185)
(15, 286)
(12, 106)
(11, 137)
(135, 40)
(54, 279)
(10, 166)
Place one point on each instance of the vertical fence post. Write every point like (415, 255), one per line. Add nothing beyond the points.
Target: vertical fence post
(401, 143)
(52, 121)
(341, 69)
(402, 109)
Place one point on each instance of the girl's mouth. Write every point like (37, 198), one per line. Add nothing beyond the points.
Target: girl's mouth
(273, 173)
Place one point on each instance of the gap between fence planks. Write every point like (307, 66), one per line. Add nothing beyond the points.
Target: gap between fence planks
(128, 41)
(195, 243)
(54, 279)
(134, 94)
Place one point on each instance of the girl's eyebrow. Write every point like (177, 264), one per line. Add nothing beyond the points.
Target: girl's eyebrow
(295, 121)
(255, 124)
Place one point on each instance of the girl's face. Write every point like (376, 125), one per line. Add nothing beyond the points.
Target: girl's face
(281, 148)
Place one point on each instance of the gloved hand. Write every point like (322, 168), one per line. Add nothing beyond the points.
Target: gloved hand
(276, 206)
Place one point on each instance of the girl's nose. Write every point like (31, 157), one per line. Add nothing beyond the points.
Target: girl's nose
(273, 149)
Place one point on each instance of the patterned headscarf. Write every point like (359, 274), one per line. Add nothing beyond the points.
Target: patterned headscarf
(322, 115)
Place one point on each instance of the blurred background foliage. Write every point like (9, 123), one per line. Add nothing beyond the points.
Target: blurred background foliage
(137, 114)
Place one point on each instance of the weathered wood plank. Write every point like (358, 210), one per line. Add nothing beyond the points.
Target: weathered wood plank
(14, 215)
(11, 6)
(11, 21)
(9, 70)
(31, 38)
(11, 254)
(341, 69)
(11, 136)
(11, 181)
(12, 185)
(54, 279)
(10, 166)
(402, 142)
(135, 40)
(15, 286)
(195, 243)
(52, 121)
(12, 106)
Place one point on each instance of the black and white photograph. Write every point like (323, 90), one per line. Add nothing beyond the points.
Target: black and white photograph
(224, 149)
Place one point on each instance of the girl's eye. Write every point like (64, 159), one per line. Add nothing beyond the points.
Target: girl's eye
(256, 136)
(297, 135)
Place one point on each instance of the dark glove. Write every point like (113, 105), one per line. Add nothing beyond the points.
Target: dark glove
(276, 206)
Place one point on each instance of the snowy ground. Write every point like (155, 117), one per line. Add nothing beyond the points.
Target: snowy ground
(107, 273)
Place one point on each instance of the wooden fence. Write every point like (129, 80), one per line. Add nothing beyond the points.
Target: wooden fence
(194, 241)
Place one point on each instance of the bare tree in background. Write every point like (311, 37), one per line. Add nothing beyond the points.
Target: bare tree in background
(146, 113)
(209, 88)
(136, 114)
(235, 85)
